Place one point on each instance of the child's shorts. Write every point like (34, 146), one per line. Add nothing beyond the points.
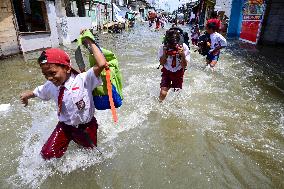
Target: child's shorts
(84, 135)
(172, 79)
(212, 57)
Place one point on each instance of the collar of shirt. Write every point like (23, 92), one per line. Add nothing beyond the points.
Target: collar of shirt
(68, 83)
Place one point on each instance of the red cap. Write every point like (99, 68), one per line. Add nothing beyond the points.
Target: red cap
(55, 56)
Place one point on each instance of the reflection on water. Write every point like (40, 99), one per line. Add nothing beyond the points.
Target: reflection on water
(223, 130)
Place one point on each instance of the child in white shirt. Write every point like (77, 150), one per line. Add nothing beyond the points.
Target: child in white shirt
(72, 93)
(174, 58)
(217, 42)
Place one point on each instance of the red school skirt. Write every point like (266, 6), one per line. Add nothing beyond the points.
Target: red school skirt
(172, 79)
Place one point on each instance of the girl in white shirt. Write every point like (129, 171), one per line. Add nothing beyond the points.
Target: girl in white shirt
(174, 58)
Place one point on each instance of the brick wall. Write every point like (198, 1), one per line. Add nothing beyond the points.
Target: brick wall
(273, 27)
(8, 37)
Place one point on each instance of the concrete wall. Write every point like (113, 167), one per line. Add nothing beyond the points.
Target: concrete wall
(75, 24)
(31, 42)
(273, 26)
(224, 5)
(8, 37)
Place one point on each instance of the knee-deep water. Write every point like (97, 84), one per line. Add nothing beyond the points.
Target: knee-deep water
(223, 130)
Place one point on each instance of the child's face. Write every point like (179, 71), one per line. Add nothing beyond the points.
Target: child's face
(55, 73)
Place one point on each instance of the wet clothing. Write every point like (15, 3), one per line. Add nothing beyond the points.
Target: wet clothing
(77, 103)
(217, 40)
(168, 65)
(172, 79)
(84, 135)
(75, 112)
(212, 57)
(172, 71)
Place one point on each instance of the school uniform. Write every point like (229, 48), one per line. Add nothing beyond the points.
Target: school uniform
(172, 71)
(216, 41)
(75, 113)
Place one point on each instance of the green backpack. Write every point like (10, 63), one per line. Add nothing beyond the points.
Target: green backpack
(100, 93)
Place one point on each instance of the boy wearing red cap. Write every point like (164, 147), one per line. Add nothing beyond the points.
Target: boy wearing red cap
(72, 93)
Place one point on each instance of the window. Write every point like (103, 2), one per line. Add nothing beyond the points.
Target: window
(31, 15)
(75, 8)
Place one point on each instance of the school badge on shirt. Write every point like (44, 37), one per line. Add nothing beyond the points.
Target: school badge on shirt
(80, 104)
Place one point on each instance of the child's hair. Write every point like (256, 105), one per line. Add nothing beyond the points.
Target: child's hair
(212, 26)
(172, 37)
(214, 14)
(41, 58)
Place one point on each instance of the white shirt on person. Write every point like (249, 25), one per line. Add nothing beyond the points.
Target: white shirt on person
(77, 104)
(168, 64)
(217, 40)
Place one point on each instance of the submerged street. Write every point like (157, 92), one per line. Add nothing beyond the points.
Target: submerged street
(223, 130)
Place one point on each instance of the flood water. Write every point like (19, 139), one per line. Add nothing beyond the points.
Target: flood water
(223, 130)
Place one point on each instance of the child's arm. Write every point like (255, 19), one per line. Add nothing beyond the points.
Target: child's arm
(164, 57)
(216, 49)
(25, 96)
(183, 55)
(98, 55)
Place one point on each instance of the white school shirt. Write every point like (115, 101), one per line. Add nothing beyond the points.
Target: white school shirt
(77, 104)
(217, 40)
(178, 66)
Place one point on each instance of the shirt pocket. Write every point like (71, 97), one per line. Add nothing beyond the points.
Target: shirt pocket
(80, 100)
(81, 104)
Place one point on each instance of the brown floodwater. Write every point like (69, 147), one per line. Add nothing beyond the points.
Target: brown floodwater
(223, 130)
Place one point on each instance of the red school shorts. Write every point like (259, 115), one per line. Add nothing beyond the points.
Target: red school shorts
(84, 135)
(172, 79)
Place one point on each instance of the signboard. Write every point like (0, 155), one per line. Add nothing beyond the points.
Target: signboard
(252, 12)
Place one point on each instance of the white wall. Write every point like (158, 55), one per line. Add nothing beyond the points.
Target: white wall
(36, 41)
(31, 42)
(52, 23)
(121, 3)
(75, 24)
(224, 5)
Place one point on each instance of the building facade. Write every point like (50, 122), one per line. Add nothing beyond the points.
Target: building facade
(9, 43)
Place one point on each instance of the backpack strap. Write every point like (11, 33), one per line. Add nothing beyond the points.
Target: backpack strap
(109, 91)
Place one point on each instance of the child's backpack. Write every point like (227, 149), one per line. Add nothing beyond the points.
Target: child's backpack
(101, 93)
(204, 44)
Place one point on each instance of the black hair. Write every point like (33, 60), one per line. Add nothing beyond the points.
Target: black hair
(214, 14)
(172, 37)
(42, 57)
(212, 26)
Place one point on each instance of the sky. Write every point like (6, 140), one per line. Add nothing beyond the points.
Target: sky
(172, 4)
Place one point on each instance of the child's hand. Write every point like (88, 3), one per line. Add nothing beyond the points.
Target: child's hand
(181, 51)
(25, 96)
